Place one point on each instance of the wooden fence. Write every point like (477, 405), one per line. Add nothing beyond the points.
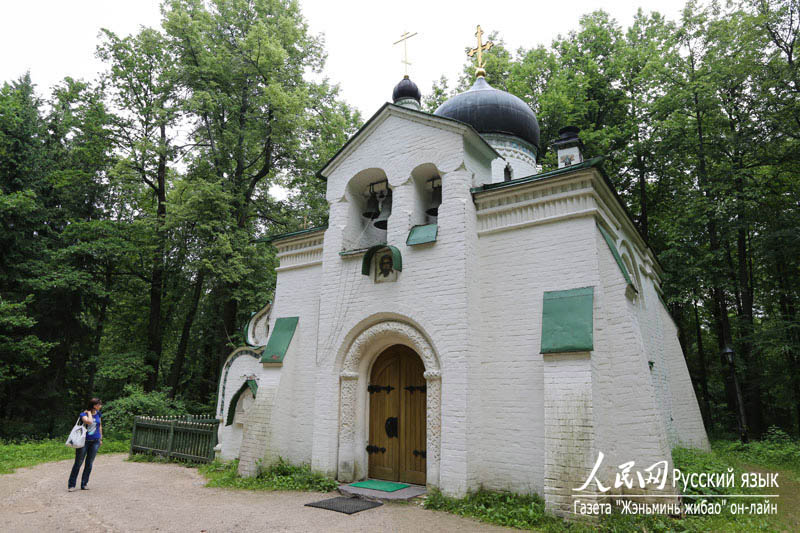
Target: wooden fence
(184, 437)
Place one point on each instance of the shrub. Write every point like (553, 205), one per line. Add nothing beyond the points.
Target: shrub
(118, 414)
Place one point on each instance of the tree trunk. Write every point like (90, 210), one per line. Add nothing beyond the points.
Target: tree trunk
(98, 332)
(705, 404)
(789, 312)
(180, 355)
(154, 326)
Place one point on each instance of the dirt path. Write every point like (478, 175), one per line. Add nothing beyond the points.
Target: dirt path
(164, 497)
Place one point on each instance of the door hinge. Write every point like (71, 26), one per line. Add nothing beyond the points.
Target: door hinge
(379, 388)
(420, 453)
(421, 388)
(375, 449)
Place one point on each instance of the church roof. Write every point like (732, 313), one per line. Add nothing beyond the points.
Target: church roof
(490, 110)
(279, 236)
(593, 162)
(476, 139)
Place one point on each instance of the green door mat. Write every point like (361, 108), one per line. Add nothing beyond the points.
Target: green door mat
(376, 484)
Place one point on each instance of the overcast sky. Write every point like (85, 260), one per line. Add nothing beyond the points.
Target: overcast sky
(57, 38)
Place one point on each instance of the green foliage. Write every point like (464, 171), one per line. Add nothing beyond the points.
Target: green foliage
(505, 509)
(776, 451)
(280, 476)
(22, 454)
(118, 414)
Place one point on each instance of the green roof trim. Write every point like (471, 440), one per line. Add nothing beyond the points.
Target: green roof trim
(282, 333)
(397, 258)
(568, 321)
(593, 162)
(422, 234)
(273, 238)
(249, 384)
(615, 253)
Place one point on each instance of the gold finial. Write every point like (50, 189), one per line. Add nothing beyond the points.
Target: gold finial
(479, 71)
(404, 39)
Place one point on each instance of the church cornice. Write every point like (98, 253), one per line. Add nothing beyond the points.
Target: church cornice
(301, 250)
(572, 192)
(421, 117)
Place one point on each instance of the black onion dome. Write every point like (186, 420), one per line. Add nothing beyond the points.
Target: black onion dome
(406, 89)
(490, 110)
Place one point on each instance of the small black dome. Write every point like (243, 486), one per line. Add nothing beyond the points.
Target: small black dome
(489, 110)
(406, 89)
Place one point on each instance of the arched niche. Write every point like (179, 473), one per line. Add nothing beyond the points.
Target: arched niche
(354, 369)
(421, 177)
(359, 232)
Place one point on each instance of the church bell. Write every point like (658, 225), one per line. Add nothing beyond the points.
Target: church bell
(386, 211)
(371, 210)
(436, 201)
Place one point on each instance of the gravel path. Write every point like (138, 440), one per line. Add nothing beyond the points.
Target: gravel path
(128, 496)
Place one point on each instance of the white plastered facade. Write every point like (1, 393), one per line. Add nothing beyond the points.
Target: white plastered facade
(500, 414)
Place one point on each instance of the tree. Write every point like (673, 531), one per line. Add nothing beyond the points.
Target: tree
(143, 79)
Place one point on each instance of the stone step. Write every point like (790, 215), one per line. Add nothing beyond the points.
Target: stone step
(406, 494)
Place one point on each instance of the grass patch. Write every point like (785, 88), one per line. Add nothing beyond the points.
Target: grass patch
(504, 509)
(280, 476)
(23, 454)
(776, 451)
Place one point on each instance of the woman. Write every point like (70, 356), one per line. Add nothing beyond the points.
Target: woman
(94, 438)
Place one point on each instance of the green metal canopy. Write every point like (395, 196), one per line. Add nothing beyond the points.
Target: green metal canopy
(422, 234)
(567, 321)
(249, 384)
(397, 259)
(282, 333)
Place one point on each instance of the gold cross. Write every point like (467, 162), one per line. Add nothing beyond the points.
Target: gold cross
(479, 71)
(404, 39)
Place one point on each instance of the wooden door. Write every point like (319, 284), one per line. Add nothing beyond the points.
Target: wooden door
(397, 417)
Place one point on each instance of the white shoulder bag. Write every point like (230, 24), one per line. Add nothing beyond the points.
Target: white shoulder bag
(77, 437)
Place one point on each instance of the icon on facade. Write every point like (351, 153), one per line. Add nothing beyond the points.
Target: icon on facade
(384, 270)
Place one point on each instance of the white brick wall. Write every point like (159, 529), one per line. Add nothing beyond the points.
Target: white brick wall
(517, 267)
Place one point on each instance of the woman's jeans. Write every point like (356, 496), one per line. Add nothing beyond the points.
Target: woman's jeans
(88, 452)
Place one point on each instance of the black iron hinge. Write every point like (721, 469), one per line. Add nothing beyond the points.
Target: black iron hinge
(379, 388)
(420, 453)
(421, 388)
(375, 449)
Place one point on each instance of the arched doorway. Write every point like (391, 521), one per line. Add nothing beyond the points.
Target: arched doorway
(397, 411)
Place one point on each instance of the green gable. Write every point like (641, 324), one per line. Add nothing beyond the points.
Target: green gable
(567, 321)
(282, 333)
(249, 384)
(615, 253)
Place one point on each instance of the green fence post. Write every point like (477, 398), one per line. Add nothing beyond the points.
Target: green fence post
(171, 436)
(211, 453)
(133, 435)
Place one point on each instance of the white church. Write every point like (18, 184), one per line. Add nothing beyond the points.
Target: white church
(465, 320)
